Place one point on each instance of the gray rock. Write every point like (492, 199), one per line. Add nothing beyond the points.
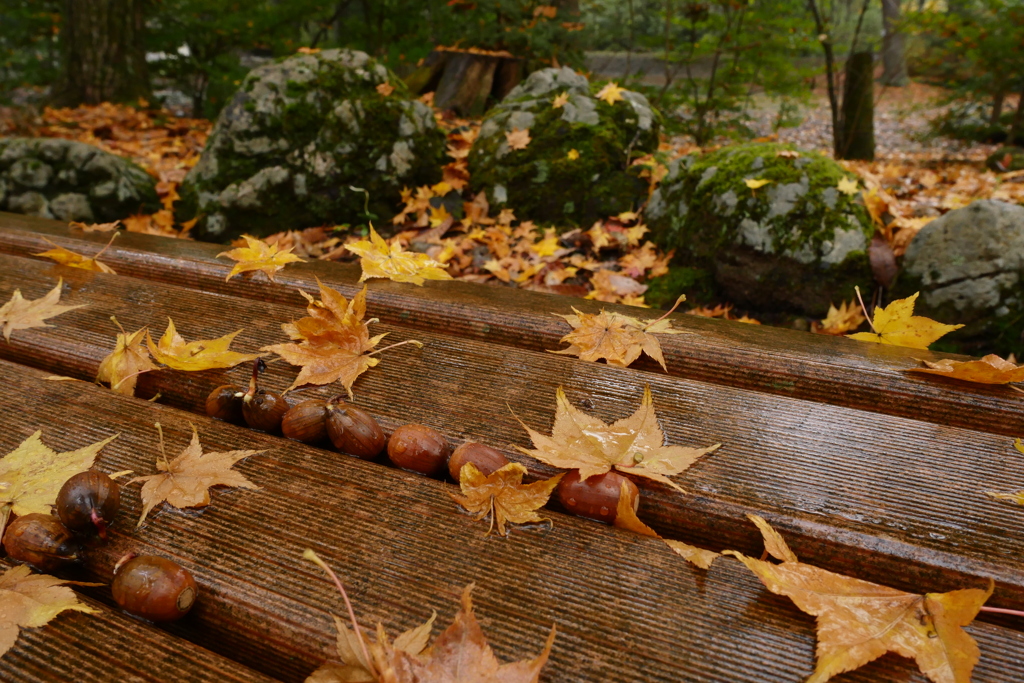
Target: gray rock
(294, 138)
(57, 178)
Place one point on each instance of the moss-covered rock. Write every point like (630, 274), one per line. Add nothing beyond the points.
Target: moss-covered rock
(796, 243)
(299, 135)
(576, 167)
(71, 181)
(1006, 159)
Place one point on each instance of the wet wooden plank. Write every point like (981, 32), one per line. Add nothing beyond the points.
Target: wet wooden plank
(625, 606)
(111, 646)
(788, 363)
(837, 481)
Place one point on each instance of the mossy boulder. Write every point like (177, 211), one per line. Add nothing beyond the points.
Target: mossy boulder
(576, 167)
(298, 136)
(794, 244)
(1006, 159)
(71, 181)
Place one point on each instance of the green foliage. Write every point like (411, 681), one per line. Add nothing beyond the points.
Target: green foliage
(29, 47)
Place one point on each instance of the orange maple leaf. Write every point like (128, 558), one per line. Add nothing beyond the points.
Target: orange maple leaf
(518, 138)
(21, 314)
(841, 320)
(503, 496)
(990, 369)
(385, 89)
(259, 256)
(93, 227)
(128, 360)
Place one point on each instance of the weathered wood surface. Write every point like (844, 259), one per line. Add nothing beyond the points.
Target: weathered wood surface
(626, 608)
(823, 369)
(111, 646)
(884, 498)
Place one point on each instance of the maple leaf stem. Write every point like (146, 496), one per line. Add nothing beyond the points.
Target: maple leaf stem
(114, 318)
(111, 241)
(163, 452)
(491, 527)
(865, 309)
(418, 344)
(681, 299)
(315, 559)
(1002, 610)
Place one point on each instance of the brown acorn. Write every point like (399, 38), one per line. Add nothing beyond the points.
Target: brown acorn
(354, 431)
(486, 459)
(152, 587)
(262, 410)
(418, 448)
(88, 502)
(306, 422)
(597, 497)
(41, 541)
(225, 403)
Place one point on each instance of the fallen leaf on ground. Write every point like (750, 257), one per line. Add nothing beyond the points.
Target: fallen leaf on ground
(518, 138)
(380, 260)
(259, 256)
(128, 360)
(897, 325)
(848, 186)
(990, 369)
(385, 89)
(841, 320)
(788, 154)
(611, 93)
(93, 227)
(633, 444)
(186, 481)
(503, 496)
(755, 183)
(66, 257)
(32, 474)
(1016, 497)
(859, 621)
(30, 600)
(692, 554)
(625, 518)
(561, 99)
(206, 354)
(617, 338)
(21, 314)
(572, 155)
(334, 341)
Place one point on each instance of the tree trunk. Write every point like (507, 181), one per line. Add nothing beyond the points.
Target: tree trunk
(1017, 127)
(893, 46)
(858, 119)
(104, 57)
(997, 107)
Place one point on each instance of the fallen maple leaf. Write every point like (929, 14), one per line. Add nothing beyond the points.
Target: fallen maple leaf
(174, 352)
(259, 256)
(1018, 496)
(385, 89)
(21, 314)
(66, 257)
(611, 93)
(186, 480)
(841, 320)
(572, 155)
(561, 99)
(30, 600)
(503, 496)
(991, 369)
(128, 360)
(848, 186)
(897, 325)
(625, 518)
(859, 621)
(633, 444)
(518, 138)
(788, 154)
(617, 338)
(93, 227)
(755, 183)
(379, 260)
(32, 474)
(334, 341)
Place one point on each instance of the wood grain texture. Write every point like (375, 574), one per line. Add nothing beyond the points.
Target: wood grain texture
(884, 498)
(626, 608)
(824, 369)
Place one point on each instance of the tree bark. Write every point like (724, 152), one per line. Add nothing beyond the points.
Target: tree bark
(893, 46)
(858, 120)
(104, 56)
(1017, 127)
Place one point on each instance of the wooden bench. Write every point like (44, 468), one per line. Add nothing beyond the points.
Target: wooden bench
(858, 489)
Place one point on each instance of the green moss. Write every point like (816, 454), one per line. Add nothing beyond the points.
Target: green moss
(663, 291)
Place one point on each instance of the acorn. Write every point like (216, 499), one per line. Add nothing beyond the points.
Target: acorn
(306, 422)
(354, 431)
(88, 502)
(153, 588)
(418, 448)
(486, 459)
(42, 541)
(225, 403)
(597, 497)
(262, 410)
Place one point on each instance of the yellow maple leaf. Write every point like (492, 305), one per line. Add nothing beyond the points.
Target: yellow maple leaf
(259, 256)
(561, 99)
(129, 359)
(32, 474)
(755, 183)
(30, 600)
(848, 186)
(207, 354)
(503, 496)
(573, 155)
(859, 621)
(547, 246)
(611, 93)
(841, 320)
(518, 138)
(633, 444)
(66, 257)
(21, 314)
(93, 227)
(379, 260)
(897, 325)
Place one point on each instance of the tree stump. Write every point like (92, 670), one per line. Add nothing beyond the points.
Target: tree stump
(467, 81)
